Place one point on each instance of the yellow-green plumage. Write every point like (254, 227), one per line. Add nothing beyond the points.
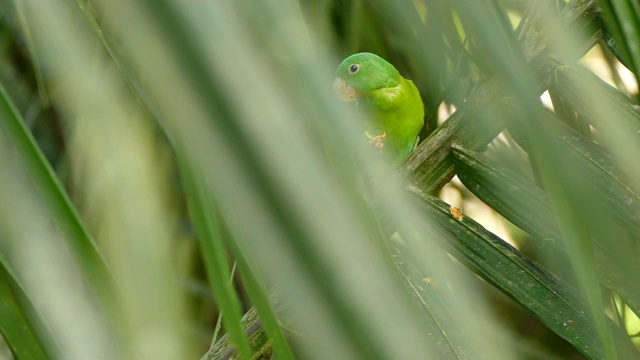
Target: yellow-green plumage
(394, 102)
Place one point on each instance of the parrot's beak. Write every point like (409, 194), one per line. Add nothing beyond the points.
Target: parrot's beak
(344, 91)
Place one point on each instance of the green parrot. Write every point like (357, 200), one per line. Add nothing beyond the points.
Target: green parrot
(369, 81)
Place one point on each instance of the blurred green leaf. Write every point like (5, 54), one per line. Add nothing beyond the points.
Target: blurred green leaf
(20, 324)
(56, 198)
(450, 339)
(523, 203)
(622, 20)
(597, 102)
(206, 222)
(550, 299)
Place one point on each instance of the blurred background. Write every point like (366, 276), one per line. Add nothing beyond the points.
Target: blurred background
(173, 171)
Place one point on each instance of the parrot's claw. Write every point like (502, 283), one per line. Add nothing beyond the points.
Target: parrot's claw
(377, 140)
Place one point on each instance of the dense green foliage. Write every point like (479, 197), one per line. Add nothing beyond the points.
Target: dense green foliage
(179, 181)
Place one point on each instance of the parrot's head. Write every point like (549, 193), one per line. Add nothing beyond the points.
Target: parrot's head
(361, 73)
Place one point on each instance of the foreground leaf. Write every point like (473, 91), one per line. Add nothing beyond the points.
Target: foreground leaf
(523, 203)
(19, 322)
(551, 300)
(56, 198)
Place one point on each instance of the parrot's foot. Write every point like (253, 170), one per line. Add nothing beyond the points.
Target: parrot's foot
(378, 140)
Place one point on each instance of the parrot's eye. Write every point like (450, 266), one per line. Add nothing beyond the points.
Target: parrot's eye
(354, 69)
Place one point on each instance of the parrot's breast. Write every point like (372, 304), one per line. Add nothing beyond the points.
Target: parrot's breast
(399, 114)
